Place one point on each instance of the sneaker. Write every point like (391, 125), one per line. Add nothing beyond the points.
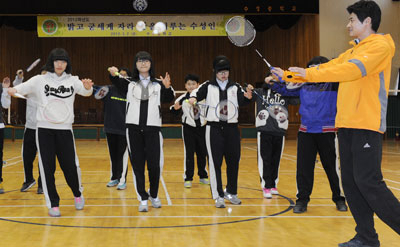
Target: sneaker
(155, 202)
(187, 184)
(113, 183)
(79, 203)
(220, 202)
(121, 186)
(274, 191)
(54, 212)
(341, 206)
(232, 198)
(204, 181)
(267, 193)
(39, 190)
(300, 208)
(1, 188)
(27, 185)
(356, 243)
(143, 206)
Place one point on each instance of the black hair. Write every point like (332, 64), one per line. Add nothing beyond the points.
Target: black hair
(317, 60)
(366, 8)
(128, 72)
(142, 55)
(58, 54)
(192, 77)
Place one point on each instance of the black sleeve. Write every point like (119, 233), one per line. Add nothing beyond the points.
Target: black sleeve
(167, 94)
(201, 92)
(121, 84)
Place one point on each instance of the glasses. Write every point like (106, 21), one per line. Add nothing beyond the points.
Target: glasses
(224, 72)
(143, 61)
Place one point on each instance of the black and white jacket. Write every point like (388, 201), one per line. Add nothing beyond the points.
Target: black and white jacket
(143, 112)
(187, 116)
(213, 94)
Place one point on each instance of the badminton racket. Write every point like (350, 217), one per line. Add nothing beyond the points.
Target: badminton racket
(100, 92)
(55, 110)
(225, 110)
(241, 33)
(33, 65)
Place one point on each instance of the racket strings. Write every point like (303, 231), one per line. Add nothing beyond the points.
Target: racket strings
(240, 31)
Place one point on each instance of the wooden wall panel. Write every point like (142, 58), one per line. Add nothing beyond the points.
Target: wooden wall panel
(92, 56)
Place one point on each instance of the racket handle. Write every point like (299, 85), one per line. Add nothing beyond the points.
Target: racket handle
(280, 78)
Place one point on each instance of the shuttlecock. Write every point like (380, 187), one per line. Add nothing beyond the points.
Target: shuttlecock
(159, 27)
(229, 210)
(140, 26)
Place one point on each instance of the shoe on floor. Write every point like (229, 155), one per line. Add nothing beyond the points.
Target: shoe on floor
(27, 185)
(341, 206)
(39, 190)
(121, 186)
(79, 202)
(143, 207)
(220, 202)
(274, 191)
(267, 193)
(232, 198)
(112, 183)
(204, 181)
(300, 208)
(356, 243)
(54, 212)
(1, 188)
(187, 184)
(155, 202)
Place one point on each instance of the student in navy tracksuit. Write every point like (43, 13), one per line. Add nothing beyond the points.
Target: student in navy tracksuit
(29, 149)
(317, 134)
(56, 139)
(144, 95)
(115, 129)
(222, 136)
(272, 121)
(5, 103)
(193, 134)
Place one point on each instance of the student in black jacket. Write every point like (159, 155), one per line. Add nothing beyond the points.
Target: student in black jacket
(144, 94)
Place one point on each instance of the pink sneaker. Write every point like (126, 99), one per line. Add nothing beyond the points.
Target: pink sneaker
(79, 202)
(274, 191)
(54, 212)
(267, 193)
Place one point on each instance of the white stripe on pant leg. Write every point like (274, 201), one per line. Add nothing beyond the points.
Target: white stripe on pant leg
(78, 168)
(213, 177)
(133, 172)
(42, 173)
(260, 160)
(124, 166)
(337, 165)
(108, 148)
(184, 155)
(279, 164)
(22, 155)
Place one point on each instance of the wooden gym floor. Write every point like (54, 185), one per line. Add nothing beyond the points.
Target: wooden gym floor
(188, 216)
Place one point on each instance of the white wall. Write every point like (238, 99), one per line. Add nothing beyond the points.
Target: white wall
(334, 38)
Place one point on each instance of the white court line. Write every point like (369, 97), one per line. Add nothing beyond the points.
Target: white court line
(16, 157)
(175, 205)
(13, 163)
(166, 191)
(177, 216)
(393, 188)
(386, 152)
(392, 181)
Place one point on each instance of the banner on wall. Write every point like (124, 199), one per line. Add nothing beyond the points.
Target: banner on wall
(125, 26)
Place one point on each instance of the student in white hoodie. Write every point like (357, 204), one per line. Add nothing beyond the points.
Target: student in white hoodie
(5, 103)
(55, 138)
(29, 149)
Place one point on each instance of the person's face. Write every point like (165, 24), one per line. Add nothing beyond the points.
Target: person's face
(357, 28)
(123, 73)
(223, 75)
(143, 65)
(59, 66)
(191, 85)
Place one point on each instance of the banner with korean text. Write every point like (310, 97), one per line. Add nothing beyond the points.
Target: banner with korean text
(125, 26)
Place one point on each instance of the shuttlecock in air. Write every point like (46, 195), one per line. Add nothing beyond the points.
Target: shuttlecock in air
(159, 27)
(140, 26)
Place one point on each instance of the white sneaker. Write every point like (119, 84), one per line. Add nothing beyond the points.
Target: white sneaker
(54, 212)
(143, 206)
(232, 198)
(267, 193)
(155, 202)
(220, 202)
(274, 191)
